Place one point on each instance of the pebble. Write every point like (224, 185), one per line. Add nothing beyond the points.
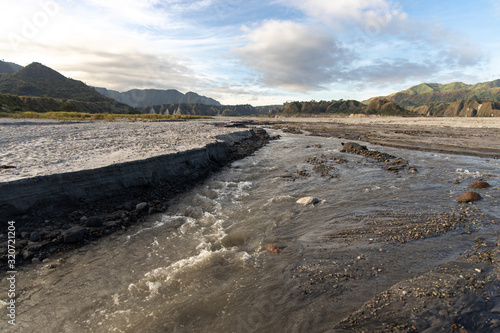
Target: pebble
(273, 248)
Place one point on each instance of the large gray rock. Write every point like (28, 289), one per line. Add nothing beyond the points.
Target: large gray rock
(75, 234)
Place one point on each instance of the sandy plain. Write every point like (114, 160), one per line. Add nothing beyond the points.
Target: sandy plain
(44, 147)
(464, 136)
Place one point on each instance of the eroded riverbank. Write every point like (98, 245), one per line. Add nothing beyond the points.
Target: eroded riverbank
(380, 251)
(55, 213)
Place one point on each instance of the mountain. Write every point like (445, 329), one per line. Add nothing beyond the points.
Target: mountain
(200, 109)
(150, 97)
(9, 67)
(461, 108)
(382, 106)
(37, 80)
(13, 103)
(428, 93)
(377, 106)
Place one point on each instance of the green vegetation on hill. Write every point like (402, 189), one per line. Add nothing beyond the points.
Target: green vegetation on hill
(10, 102)
(9, 67)
(382, 107)
(329, 107)
(37, 80)
(461, 108)
(429, 93)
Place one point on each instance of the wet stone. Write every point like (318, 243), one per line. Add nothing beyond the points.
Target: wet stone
(479, 185)
(469, 197)
(308, 201)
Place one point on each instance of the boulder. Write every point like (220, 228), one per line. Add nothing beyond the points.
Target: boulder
(94, 222)
(75, 234)
(308, 201)
(141, 206)
(469, 197)
(479, 184)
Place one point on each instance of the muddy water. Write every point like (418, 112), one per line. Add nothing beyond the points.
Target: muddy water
(203, 265)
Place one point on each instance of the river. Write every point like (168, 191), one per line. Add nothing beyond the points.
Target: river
(203, 266)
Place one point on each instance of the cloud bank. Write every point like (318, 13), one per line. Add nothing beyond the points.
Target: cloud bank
(293, 56)
(382, 45)
(237, 51)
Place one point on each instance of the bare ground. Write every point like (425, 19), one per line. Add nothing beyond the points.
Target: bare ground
(465, 136)
(439, 290)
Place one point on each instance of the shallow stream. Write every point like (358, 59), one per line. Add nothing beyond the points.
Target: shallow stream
(203, 266)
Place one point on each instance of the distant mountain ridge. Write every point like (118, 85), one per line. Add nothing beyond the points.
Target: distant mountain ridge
(150, 97)
(473, 107)
(428, 93)
(376, 106)
(37, 80)
(9, 67)
(200, 109)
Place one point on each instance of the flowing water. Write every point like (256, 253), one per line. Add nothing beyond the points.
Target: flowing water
(203, 266)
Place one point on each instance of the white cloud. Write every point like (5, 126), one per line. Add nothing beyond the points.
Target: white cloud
(390, 71)
(293, 56)
(371, 15)
(187, 44)
(128, 12)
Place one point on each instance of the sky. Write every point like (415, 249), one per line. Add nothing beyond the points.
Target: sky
(257, 52)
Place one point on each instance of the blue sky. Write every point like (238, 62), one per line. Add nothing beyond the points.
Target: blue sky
(257, 52)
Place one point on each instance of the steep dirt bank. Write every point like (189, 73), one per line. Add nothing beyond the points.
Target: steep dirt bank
(55, 213)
